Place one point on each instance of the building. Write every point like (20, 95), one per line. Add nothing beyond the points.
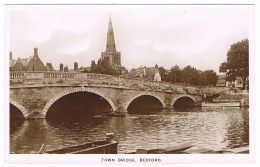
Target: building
(149, 73)
(238, 83)
(157, 76)
(32, 63)
(221, 82)
(84, 69)
(113, 56)
(49, 67)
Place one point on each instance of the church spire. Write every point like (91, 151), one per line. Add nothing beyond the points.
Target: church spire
(111, 54)
(110, 37)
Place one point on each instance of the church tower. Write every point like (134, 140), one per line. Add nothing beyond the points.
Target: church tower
(113, 56)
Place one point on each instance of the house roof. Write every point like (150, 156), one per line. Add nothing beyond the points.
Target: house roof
(49, 67)
(84, 69)
(23, 61)
(146, 71)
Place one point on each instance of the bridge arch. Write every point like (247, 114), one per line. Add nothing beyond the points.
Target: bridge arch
(20, 107)
(143, 94)
(75, 90)
(182, 96)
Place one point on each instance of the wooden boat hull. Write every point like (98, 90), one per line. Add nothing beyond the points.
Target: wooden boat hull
(240, 150)
(88, 148)
(168, 150)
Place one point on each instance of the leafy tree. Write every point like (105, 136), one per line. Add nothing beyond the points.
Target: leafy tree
(93, 67)
(203, 79)
(103, 67)
(191, 75)
(163, 73)
(211, 77)
(175, 74)
(237, 63)
(188, 75)
(123, 70)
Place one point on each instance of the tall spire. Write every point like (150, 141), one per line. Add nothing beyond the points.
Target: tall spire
(113, 56)
(110, 37)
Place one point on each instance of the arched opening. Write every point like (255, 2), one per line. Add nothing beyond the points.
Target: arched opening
(184, 102)
(145, 104)
(15, 113)
(78, 106)
(16, 118)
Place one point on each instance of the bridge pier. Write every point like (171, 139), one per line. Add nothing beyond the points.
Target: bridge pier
(120, 109)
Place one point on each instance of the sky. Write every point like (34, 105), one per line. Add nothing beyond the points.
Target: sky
(166, 35)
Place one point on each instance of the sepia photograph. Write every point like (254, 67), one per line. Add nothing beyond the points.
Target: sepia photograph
(129, 83)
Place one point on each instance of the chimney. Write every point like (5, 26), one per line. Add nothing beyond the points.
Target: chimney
(66, 69)
(36, 51)
(61, 67)
(75, 66)
(10, 56)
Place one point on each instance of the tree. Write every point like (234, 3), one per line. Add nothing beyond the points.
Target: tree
(191, 75)
(237, 63)
(211, 77)
(175, 75)
(103, 67)
(163, 73)
(93, 67)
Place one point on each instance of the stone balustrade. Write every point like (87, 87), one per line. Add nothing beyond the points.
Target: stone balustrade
(16, 75)
(100, 79)
(50, 75)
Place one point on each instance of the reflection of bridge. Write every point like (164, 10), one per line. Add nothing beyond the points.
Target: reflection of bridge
(35, 93)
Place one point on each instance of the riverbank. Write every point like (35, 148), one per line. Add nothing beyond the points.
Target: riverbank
(231, 96)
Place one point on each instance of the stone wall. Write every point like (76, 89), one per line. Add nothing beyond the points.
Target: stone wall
(36, 100)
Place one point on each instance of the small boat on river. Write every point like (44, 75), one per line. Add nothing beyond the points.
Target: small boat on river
(167, 150)
(191, 149)
(223, 104)
(240, 150)
(97, 147)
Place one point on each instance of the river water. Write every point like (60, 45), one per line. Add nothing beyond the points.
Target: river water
(211, 128)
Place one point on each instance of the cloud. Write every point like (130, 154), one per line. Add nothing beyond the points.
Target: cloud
(35, 26)
(145, 34)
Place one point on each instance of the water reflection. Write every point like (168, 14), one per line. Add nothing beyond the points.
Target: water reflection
(212, 128)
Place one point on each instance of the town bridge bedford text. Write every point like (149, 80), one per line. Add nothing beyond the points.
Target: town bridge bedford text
(34, 93)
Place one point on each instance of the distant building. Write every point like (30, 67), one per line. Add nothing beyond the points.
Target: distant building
(238, 83)
(84, 69)
(75, 66)
(32, 63)
(49, 67)
(150, 73)
(221, 82)
(111, 53)
(157, 76)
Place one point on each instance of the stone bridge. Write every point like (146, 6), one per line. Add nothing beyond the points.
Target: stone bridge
(34, 93)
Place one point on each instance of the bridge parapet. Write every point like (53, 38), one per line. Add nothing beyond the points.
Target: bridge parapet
(25, 79)
(16, 75)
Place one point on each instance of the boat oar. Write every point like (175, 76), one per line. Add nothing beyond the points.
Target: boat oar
(40, 149)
